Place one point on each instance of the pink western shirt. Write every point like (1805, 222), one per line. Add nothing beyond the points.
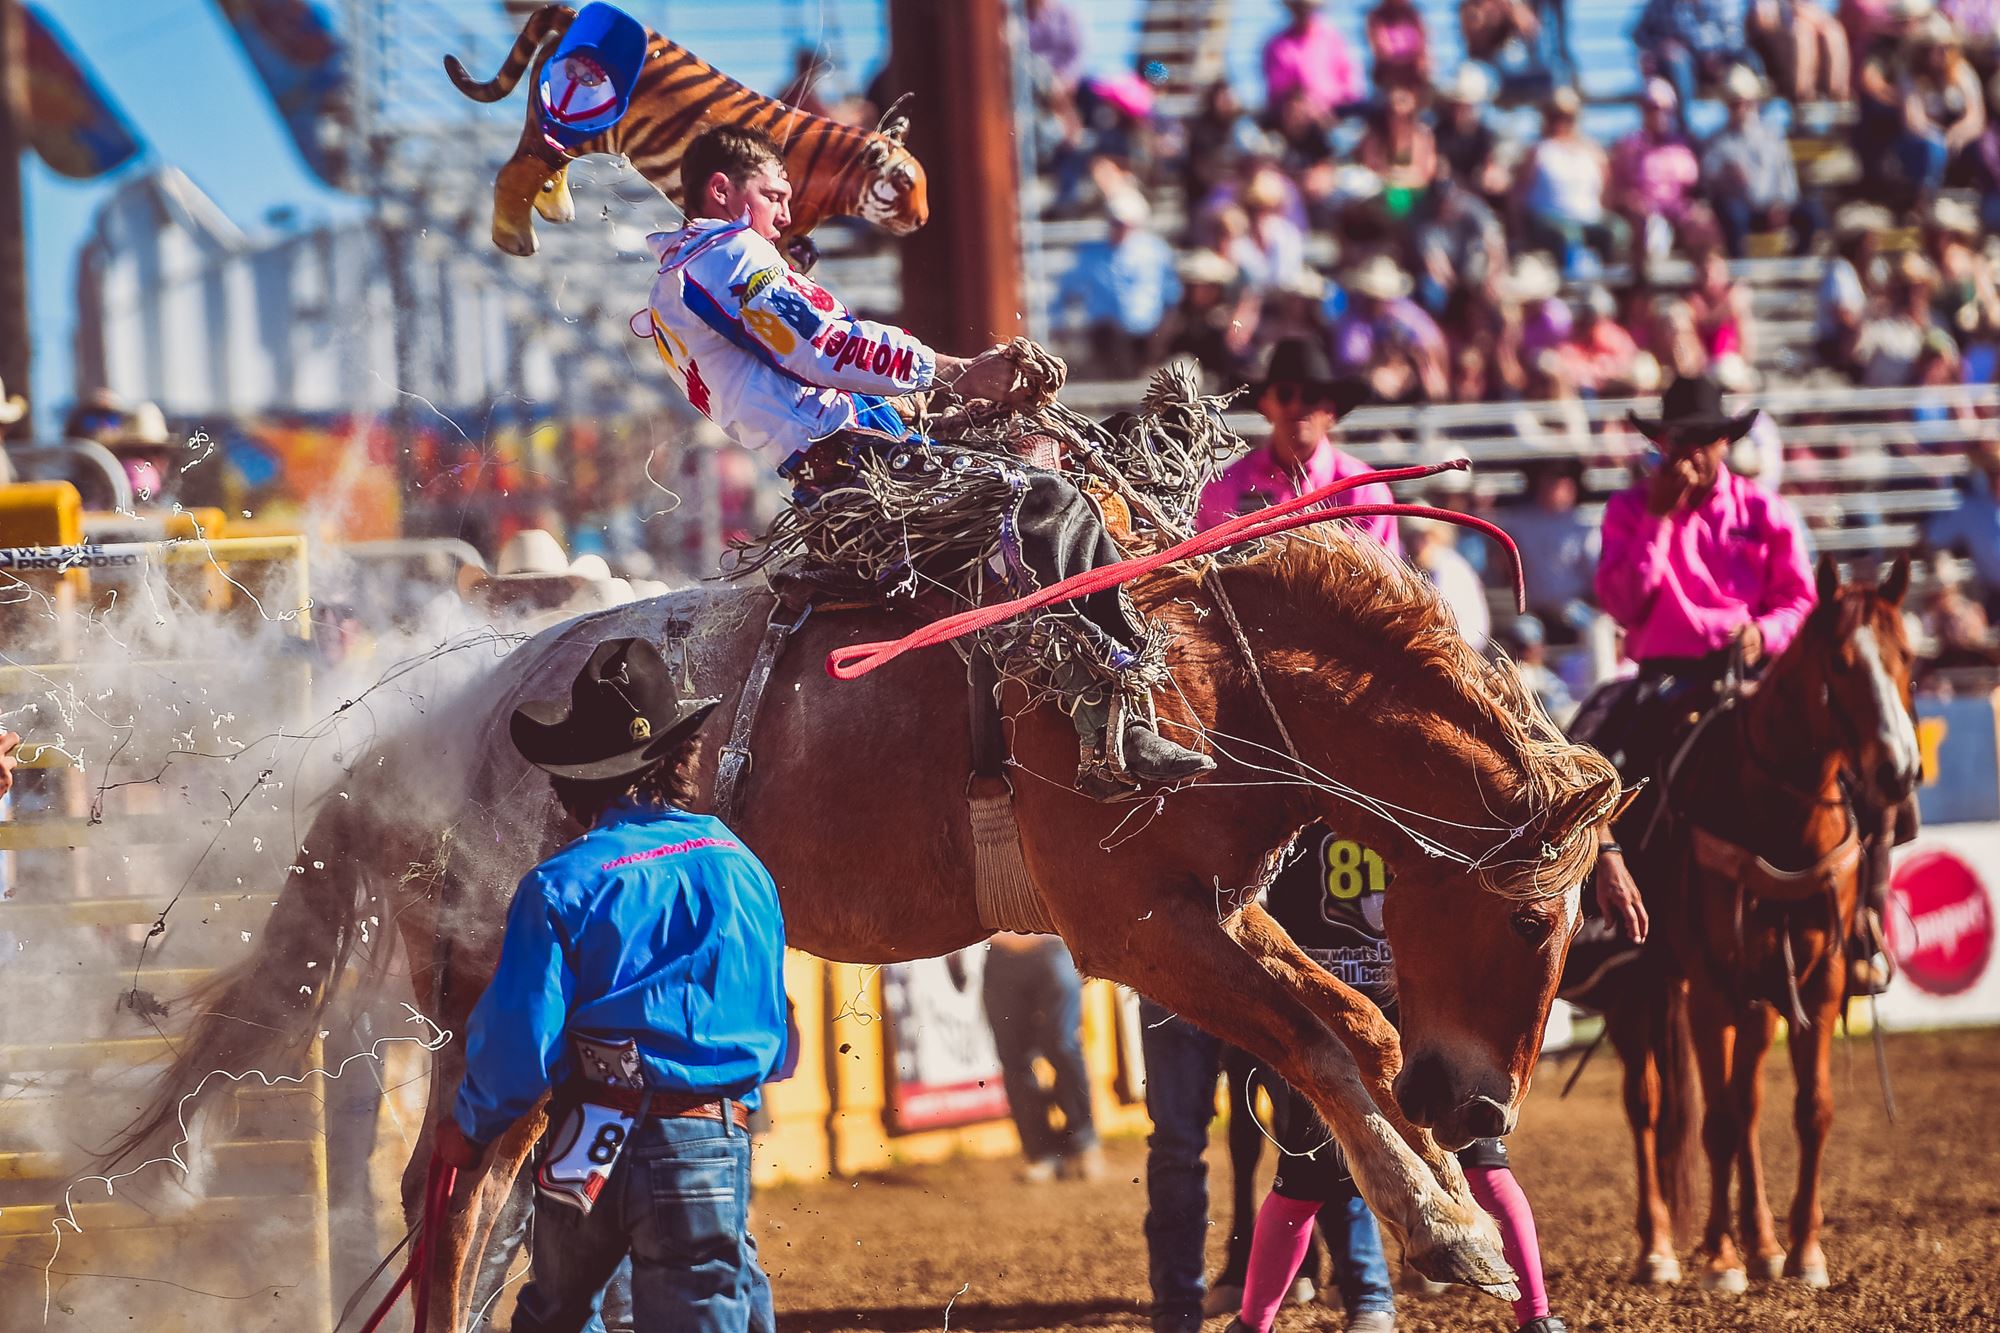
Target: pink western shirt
(1255, 481)
(1683, 584)
(1316, 60)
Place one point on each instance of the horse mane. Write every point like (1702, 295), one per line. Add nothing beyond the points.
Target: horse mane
(1363, 609)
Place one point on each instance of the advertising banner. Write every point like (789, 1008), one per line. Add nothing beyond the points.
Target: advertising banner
(943, 1070)
(1941, 929)
(297, 51)
(72, 122)
(1961, 749)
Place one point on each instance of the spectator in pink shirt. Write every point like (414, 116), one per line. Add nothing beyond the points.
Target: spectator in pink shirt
(1653, 176)
(1311, 55)
(1302, 400)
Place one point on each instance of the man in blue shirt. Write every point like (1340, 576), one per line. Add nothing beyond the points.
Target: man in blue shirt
(1125, 285)
(641, 981)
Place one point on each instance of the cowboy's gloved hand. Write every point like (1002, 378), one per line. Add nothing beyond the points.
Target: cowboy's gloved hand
(1618, 897)
(452, 1147)
(9, 743)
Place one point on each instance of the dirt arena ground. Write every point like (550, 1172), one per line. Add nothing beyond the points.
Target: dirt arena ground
(1913, 1224)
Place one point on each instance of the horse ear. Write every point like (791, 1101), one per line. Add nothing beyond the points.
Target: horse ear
(897, 129)
(1828, 578)
(1895, 587)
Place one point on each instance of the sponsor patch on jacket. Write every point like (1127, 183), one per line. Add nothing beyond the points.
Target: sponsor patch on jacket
(751, 287)
(845, 348)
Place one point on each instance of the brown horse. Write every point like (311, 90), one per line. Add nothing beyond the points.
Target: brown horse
(1403, 736)
(1756, 894)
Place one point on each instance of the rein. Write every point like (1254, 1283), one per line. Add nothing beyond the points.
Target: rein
(856, 660)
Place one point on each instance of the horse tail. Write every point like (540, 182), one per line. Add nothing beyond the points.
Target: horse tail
(263, 1013)
(546, 23)
(1680, 1108)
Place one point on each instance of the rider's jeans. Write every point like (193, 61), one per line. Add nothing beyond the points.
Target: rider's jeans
(679, 1203)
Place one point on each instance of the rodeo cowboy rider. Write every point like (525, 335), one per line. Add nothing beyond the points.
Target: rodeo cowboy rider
(1703, 570)
(641, 978)
(785, 369)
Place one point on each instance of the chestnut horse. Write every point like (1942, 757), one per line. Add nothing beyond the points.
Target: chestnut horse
(1755, 896)
(1439, 760)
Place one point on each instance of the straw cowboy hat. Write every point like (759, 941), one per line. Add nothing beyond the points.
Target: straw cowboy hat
(1741, 84)
(1691, 413)
(1471, 85)
(1304, 362)
(532, 577)
(1379, 277)
(1953, 216)
(1207, 268)
(12, 406)
(145, 427)
(1531, 277)
(623, 715)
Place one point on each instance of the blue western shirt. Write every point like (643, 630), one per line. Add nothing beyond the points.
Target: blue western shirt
(657, 925)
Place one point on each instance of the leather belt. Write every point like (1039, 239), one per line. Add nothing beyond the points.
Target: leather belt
(664, 1105)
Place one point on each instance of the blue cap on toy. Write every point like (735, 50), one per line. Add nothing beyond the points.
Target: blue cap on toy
(587, 82)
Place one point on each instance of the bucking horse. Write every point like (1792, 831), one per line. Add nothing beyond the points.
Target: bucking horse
(1349, 697)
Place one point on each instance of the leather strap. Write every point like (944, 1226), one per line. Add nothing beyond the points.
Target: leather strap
(989, 741)
(733, 763)
(658, 1104)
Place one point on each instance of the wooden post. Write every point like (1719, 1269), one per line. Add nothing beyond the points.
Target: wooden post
(16, 356)
(962, 270)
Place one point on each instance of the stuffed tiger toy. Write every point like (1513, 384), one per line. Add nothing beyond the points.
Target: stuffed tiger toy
(836, 170)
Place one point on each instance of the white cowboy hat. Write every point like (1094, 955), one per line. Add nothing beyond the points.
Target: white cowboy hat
(1471, 85)
(1207, 267)
(1660, 93)
(531, 553)
(1128, 208)
(145, 428)
(1906, 11)
(1531, 277)
(12, 406)
(1952, 215)
(1379, 277)
(591, 566)
(1741, 84)
(1305, 283)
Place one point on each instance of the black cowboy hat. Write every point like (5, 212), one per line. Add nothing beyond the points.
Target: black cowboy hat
(1691, 413)
(622, 715)
(1303, 361)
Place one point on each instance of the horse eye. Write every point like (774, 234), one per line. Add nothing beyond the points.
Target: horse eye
(1534, 927)
(900, 178)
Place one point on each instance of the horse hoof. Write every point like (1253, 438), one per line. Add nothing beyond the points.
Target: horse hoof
(1658, 1270)
(1473, 1261)
(1812, 1275)
(1770, 1268)
(1726, 1281)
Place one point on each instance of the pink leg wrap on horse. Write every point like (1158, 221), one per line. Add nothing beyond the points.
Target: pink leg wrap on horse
(1277, 1247)
(1500, 1194)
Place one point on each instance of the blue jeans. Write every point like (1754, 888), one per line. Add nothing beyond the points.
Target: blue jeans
(1182, 1066)
(1034, 1004)
(678, 1203)
(1923, 157)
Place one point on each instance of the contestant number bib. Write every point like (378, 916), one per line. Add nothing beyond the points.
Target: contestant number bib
(582, 1152)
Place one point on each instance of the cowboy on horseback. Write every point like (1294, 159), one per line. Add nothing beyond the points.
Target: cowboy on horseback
(784, 368)
(641, 983)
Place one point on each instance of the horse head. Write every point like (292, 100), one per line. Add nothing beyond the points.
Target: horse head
(1849, 670)
(1444, 766)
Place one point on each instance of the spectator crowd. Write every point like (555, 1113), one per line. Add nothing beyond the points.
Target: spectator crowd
(1446, 250)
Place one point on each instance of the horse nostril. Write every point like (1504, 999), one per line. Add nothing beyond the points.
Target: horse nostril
(1486, 1118)
(1423, 1089)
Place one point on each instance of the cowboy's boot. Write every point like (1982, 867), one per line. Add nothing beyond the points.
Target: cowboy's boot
(1119, 749)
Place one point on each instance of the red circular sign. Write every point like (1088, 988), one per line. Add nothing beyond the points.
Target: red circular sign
(1940, 923)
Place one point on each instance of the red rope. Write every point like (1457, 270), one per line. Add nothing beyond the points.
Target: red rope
(857, 660)
(438, 1185)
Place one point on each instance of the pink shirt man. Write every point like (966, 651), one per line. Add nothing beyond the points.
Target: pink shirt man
(1256, 480)
(1312, 57)
(1682, 585)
